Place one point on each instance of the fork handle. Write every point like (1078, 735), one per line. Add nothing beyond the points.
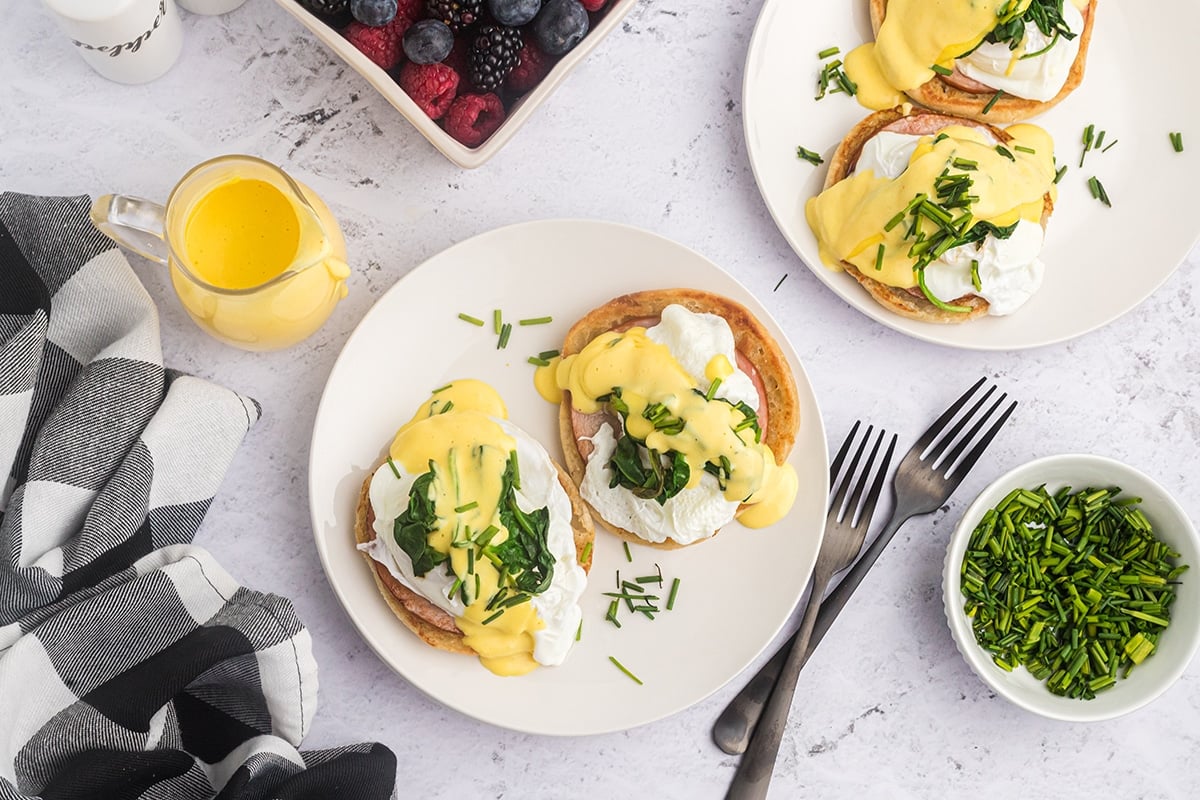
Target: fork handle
(735, 726)
(753, 776)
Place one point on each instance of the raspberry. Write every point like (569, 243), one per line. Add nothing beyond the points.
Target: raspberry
(412, 9)
(431, 86)
(474, 117)
(593, 5)
(382, 44)
(531, 68)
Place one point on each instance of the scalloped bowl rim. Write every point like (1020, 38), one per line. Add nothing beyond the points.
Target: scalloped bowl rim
(1178, 643)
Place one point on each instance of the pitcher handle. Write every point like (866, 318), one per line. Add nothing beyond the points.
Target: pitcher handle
(133, 223)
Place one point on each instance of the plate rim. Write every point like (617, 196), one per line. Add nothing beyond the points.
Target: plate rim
(323, 554)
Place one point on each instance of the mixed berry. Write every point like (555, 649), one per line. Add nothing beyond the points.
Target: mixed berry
(465, 63)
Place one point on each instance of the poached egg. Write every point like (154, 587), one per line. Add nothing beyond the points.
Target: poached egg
(872, 219)
(917, 35)
(487, 474)
(681, 396)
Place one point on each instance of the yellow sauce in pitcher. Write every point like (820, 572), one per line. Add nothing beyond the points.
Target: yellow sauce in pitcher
(257, 259)
(241, 234)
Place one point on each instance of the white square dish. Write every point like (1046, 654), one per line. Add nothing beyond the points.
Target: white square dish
(451, 148)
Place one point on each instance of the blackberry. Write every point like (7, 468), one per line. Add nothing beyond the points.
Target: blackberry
(495, 51)
(326, 8)
(458, 14)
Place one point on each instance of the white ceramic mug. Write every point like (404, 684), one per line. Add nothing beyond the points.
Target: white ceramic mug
(128, 41)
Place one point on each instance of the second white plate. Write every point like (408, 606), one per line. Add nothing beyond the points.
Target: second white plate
(736, 591)
(1100, 262)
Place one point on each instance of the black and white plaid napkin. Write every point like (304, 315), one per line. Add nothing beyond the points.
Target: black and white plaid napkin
(131, 664)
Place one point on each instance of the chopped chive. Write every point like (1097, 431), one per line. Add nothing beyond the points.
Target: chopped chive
(810, 156)
(516, 600)
(940, 70)
(537, 362)
(1058, 176)
(649, 579)
(621, 667)
(1110, 145)
(493, 617)
(470, 319)
(505, 332)
(638, 594)
(712, 389)
(628, 555)
(995, 98)
(471, 561)
(441, 389)
(1087, 136)
(828, 51)
(548, 354)
(975, 275)
(468, 507)
(497, 321)
(392, 464)
(944, 306)
(611, 616)
(1096, 145)
(484, 538)
(579, 630)
(671, 596)
(964, 164)
(587, 551)
(1020, 148)
(447, 406)
(879, 257)
(781, 280)
(536, 321)
(1002, 150)
(1097, 189)
(1177, 141)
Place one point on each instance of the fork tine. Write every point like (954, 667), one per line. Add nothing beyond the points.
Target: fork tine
(835, 507)
(941, 422)
(969, 460)
(965, 442)
(936, 453)
(841, 456)
(861, 484)
(868, 509)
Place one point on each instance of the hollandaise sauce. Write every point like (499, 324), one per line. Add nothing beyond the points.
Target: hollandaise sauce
(676, 428)
(468, 521)
(920, 38)
(957, 187)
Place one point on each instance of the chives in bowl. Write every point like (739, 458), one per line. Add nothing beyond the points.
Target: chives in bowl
(1069, 596)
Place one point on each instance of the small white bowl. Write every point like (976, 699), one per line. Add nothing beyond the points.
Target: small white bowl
(451, 148)
(1176, 646)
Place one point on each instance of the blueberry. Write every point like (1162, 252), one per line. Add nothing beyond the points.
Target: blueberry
(514, 12)
(428, 41)
(374, 12)
(560, 26)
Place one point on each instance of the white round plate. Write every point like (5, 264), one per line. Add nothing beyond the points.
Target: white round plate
(1100, 262)
(736, 591)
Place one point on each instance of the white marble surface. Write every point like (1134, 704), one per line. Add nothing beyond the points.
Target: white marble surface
(646, 132)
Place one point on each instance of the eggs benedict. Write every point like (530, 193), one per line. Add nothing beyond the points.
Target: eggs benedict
(677, 413)
(940, 218)
(478, 541)
(993, 60)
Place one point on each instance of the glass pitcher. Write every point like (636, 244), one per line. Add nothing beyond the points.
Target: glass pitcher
(257, 260)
